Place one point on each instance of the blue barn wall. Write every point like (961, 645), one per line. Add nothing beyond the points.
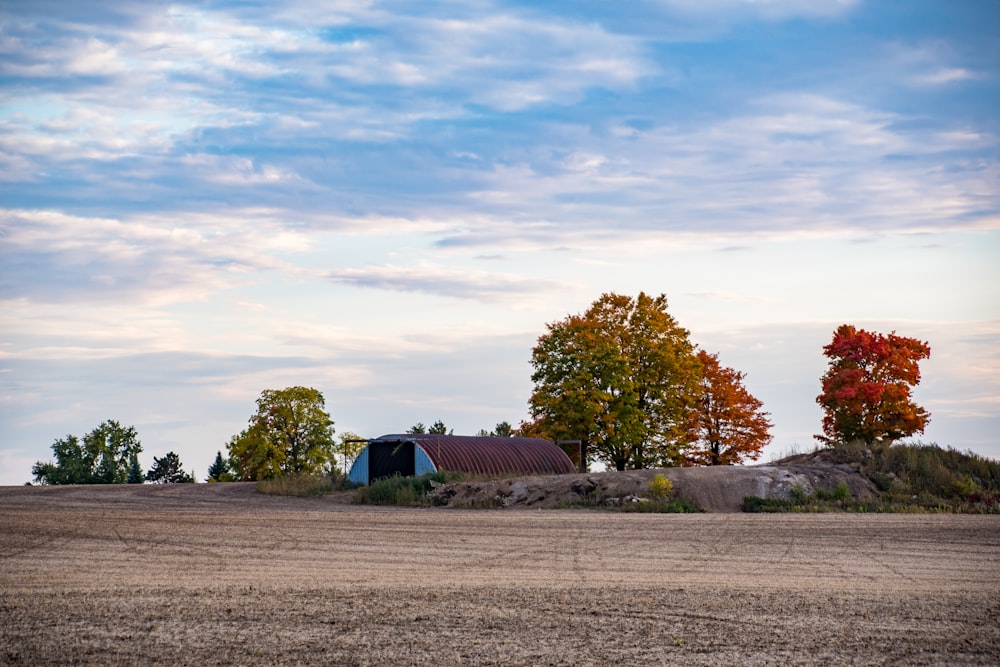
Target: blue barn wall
(359, 471)
(424, 465)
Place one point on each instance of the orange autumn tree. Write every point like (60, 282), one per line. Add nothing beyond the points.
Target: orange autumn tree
(866, 389)
(727, 424)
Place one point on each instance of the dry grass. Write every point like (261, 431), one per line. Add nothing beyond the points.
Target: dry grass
(304, 486)
(217, 574)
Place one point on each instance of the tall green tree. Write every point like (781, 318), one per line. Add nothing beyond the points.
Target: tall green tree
(103, 456)
(168, 470)
(620, 378)
(291, 432)
(867, 387)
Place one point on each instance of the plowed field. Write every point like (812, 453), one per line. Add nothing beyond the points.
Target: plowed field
(217, 574)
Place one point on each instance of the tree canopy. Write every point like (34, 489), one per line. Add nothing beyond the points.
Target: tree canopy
(728, 425)
(501, 430)
(867, 387)
(103, 456)
(437, 428)
(168, 470)
(291, 432)
(621, 378)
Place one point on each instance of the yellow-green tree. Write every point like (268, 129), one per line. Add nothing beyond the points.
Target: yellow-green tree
(291, 432)
(620, 378)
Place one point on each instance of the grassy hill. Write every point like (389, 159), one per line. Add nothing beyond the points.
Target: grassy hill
(909, 478)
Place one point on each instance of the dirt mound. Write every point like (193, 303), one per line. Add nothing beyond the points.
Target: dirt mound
(713, 489)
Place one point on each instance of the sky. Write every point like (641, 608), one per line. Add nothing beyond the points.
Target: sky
(388, 201)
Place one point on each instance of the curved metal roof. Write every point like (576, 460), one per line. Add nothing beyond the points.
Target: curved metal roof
(489, 455)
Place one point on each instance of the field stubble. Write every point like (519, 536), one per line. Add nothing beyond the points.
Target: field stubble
(216, 574)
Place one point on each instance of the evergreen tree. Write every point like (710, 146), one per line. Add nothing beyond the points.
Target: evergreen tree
(135, 475)
(219, 470)
(168, 470)
(438, 428)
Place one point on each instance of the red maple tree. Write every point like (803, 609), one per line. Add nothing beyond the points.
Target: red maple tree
(866, 389)
(727, 424)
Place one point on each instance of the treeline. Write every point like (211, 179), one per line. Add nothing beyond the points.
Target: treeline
(623, 379)
(291, 435)
(109, 454)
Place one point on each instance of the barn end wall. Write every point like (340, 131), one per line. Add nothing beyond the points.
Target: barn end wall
(359, 471)
(423, 462)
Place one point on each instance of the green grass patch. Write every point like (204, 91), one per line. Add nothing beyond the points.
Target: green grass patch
(650, 506)
(404, 491)
(633, 505)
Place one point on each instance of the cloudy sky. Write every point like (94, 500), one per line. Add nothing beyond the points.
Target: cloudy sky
(389, 200)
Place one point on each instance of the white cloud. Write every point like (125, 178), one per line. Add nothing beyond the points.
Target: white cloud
(768, 9)
(789, 162)
(55, 257)
(426, 277)
(943, 76)
(96, 58)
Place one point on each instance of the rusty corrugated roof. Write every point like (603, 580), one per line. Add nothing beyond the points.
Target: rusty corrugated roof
(488, 455)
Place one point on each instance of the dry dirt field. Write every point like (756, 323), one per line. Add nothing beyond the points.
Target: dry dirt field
(217, 574)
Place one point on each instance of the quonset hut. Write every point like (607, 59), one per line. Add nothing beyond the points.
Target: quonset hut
(414, 454)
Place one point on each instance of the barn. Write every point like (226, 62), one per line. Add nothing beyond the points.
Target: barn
(421, 453)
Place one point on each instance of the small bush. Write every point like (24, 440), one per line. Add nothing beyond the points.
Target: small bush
(799, 495)
(964, 487)
(757, 504)
(659, 488)
(674, 506)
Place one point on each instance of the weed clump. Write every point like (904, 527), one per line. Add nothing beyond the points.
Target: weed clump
(404, 491)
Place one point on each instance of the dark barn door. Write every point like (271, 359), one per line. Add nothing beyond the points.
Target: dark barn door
(386, 459)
